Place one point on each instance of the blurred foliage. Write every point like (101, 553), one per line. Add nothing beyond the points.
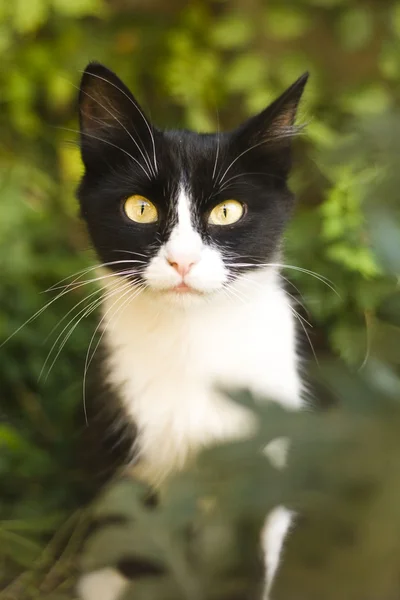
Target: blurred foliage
(202, 65)
(202, 540)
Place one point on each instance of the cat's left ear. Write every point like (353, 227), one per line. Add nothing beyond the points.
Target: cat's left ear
(275, 125)
(109, 114)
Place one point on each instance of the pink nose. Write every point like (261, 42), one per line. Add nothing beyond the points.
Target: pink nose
(181, 267)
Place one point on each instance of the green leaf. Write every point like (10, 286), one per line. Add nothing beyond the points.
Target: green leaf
(327, 3)
(286, 22)
(259, 98)
(21, 549)
(370, 100)
(29, 15)
(389, 310)
(389, 60)
(385, 237)
(234, 31)
(114, 543)
(321, 134)
(395, 19)
(355, 28)
(245, 72)
(79, 8)
(35, 525)
(350, 341)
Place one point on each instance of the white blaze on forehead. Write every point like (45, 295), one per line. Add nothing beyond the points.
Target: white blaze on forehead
(185, 243)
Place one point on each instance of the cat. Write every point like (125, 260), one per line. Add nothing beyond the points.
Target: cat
(188, 228)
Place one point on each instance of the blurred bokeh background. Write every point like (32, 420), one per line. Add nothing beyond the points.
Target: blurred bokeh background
(202, 65)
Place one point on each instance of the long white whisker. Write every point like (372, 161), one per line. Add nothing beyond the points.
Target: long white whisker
(89, 360)
(261, 287)
(234, 293)
(301, 319)
(298, 291)
(134, 253)
(138, 290)
(227, 183)
(118, 276)
(37, 314)
(217, 152)
(86, 311)
(81, 283)
(237, 158)
(85, 299)
(83, 312)
(99, 139)
(321, 278)
(99, 266)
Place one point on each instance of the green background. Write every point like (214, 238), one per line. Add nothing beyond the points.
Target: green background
(199, 65)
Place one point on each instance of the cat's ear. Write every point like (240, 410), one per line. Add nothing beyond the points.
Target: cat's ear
(107, 109)
(274, 127)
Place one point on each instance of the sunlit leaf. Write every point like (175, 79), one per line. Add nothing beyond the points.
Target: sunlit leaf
(355, 28)
(286, 22)
(234, 31)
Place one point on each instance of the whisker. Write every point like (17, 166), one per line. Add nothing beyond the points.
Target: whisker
(303, 322)
(220, 180)
(99, 139)
(321, 278)
(134, 253)
(226, 183)
(80, 283)
(37, 314)
(300, 320)
(83, 313)
(88, 360)
(79, 274)
(85, 299)
(296, 300)
(218, 144)
(234, 293)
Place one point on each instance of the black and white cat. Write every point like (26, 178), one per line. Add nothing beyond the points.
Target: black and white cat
(189, 227)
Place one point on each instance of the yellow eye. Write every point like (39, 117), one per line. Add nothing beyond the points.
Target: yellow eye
(226, 213)
(139, 209)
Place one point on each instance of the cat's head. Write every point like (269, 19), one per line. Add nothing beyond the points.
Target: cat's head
(184, 213)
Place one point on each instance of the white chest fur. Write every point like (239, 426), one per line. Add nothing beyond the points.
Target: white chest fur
(168, 361)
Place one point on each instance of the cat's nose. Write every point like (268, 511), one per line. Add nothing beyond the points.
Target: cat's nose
(182, 266)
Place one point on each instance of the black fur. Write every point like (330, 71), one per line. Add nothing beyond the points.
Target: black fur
(249, 164)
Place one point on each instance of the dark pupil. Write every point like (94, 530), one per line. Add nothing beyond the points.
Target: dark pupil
(142, 208)
(225, 210)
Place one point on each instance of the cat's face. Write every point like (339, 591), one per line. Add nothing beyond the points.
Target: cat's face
(185, 214)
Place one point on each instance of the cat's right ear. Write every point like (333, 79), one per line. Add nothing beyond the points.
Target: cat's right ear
(108, 112)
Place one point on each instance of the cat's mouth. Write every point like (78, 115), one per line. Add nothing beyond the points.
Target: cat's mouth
(184, 288)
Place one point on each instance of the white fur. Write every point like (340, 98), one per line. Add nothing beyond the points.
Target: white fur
(169, 352)
(105, 584)
(273, 536)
